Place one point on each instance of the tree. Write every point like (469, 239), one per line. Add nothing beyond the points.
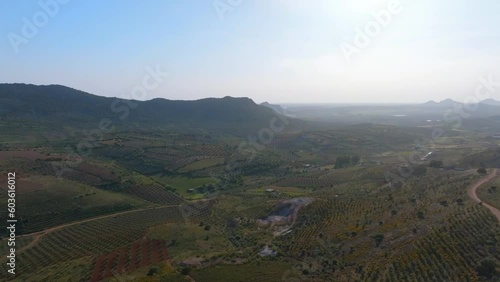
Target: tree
(355, 159)
(153, 270)
(186, 270)
(487, 268)
(420, 170)
(436, 163)
(342, 161)
(482, 171)
(420, 215)
(378, 239)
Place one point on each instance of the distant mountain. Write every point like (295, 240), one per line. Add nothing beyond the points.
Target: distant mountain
(471, 115)
(491, 102)
(276, 108)
(430, 103)
(444, 103)
(450, 102)
(63, 104)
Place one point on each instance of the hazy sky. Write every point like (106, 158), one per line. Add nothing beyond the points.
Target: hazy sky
(276, 51)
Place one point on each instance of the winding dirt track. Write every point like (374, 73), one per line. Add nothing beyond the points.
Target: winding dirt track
(39, 234)
(472, 191)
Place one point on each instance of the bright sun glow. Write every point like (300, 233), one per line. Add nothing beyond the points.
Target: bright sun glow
(361, 6)
(352, 11)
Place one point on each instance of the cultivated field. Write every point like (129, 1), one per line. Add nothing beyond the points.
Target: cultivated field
(173, 206)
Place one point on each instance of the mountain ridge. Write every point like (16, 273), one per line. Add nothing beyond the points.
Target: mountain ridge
(56, 102)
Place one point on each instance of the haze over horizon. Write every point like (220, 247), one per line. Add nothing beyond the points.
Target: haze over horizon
(280, 52)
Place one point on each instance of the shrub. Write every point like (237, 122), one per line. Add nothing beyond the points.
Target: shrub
(378, 239)
(436, 163)
(186, 270)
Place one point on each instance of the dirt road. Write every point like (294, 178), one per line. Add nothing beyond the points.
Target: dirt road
(38, 235)
(472, 191)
